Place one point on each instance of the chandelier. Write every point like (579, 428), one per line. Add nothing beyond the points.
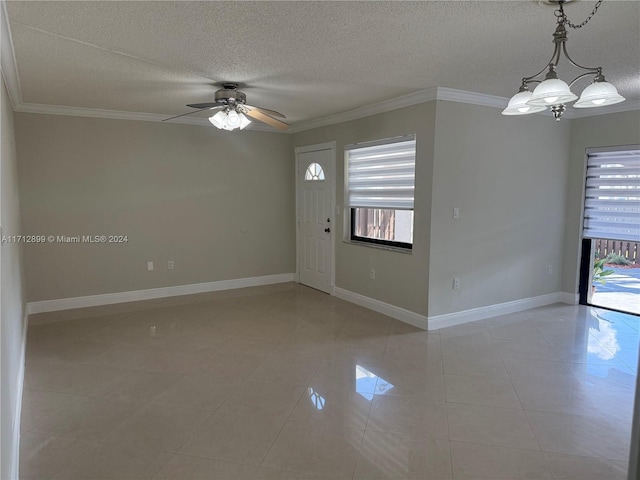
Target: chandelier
(555, 93)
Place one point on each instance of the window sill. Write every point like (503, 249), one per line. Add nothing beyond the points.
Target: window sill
(379, 247)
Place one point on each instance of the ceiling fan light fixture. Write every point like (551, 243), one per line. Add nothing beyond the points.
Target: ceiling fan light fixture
(233, 113)
(233, 119)
(219, 120)
(599, 94)
(244, 121)
(229, 120)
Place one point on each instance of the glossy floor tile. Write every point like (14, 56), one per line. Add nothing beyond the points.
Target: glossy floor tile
(284, 382)
(396, 456)
(314, 449)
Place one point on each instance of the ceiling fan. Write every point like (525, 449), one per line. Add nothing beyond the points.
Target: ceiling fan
(233, 111)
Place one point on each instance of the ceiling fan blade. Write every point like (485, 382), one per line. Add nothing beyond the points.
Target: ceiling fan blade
(272, 113)
(205, 105)
(191, 113)
(261, 117)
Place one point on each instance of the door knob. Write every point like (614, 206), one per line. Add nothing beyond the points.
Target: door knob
(327, 229)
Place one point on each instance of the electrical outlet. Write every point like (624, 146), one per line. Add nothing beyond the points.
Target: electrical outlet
(149, 266)
(549, 269)
(372, 274)
(456, 212)
(170, 265)
(456, 283)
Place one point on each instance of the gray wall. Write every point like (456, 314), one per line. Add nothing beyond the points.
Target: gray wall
(509, 186)
(12, 301)
(508, 178)
(401, 279)
(598, 131)
(219, 204)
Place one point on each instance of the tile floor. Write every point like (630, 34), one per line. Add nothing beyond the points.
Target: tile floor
(284, 382)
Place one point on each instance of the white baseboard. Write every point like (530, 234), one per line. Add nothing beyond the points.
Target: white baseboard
(398, 313)
(569, 298)
(152, 293)
(456, 318)
(474, 314)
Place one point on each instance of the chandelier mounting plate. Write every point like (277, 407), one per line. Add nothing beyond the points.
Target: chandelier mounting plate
(555, 3)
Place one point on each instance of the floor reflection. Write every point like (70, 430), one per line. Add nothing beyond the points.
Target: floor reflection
(602, 333)
(317, 400)
(368, 382)
(614, 337)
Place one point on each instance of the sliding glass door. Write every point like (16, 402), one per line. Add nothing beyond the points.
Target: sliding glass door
(610, 268)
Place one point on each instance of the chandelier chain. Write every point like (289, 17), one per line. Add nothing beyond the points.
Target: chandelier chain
(562, 17)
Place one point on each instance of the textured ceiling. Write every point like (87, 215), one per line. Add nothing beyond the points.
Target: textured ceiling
(305, 59)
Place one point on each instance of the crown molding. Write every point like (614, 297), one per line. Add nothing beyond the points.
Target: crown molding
(451, 95)
(473, 98)
(421, 96)
(427, 95)
(8, 59)
(121, 115)
(626, 106)
(96, 112)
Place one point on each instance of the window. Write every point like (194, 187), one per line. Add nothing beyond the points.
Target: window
(612, 195)
(314, 172)
(380, 185)
(611, 227)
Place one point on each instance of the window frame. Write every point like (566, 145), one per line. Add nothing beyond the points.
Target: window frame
(376, 241)
(350, 211)
(594, 180)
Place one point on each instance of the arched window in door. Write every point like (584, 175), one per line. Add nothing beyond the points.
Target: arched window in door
(314, 173)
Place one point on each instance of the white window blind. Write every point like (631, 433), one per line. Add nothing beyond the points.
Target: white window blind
(612, 195)
(382, 174)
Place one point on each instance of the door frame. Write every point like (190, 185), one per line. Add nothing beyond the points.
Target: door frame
(331, 146)
(585, 252)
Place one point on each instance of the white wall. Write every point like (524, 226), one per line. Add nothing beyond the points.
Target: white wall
(12, 310)
(219, 204)
(508, 178)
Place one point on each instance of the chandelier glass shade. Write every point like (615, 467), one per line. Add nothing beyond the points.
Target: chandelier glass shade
(554, 93)
(598, 94)
(551, 91)
(230, 119)
(519, 104)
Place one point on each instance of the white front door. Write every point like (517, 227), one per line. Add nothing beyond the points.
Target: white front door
(315, 171)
